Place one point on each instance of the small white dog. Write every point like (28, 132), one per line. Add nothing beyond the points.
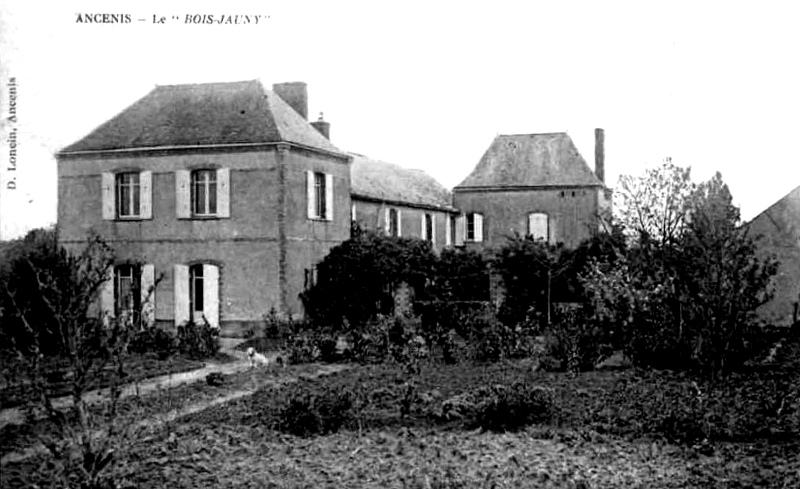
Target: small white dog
(259, 360)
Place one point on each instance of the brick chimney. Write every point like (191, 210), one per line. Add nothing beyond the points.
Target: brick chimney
(322, 126)
(295, 94)
(600, 154)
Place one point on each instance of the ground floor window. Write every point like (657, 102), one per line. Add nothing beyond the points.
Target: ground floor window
(127, 289)
(197, 293)
(196, 289)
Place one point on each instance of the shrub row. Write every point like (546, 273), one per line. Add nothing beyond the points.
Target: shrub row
(196, 341)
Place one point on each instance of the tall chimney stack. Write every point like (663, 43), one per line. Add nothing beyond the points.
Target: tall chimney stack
(322, 126)
(295, 94)
(600, 154)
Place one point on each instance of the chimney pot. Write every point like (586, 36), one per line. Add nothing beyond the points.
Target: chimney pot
(295, 94)
(322, 126)
(600, 154)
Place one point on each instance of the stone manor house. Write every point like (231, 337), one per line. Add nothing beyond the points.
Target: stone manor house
(229, 194)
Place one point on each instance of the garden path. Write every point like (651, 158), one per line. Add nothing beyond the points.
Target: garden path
(146, 386)
(168, 381)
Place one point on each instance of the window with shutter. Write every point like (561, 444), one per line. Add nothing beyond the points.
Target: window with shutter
(538, 227)
(474, 231)
(320, 195)
(128, 195)
(127, 291)
(204, 193)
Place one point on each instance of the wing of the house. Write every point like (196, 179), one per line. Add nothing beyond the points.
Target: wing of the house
(534, 184)
(401, 201)
(778, 229)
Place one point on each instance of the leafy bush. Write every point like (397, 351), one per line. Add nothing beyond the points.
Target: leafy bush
(310, 410)
(198, 341)
(154, 340)
(509, 408)
(358, 279)
(301, 349)
(215, 379)
(577, 341)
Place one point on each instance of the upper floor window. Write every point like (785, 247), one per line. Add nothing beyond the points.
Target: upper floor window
(204, 192)
(475, 227)
(538, 226)
(320, 195)
(128, 198)
(127, 195)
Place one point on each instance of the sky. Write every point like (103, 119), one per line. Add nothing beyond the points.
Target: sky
(427, 85)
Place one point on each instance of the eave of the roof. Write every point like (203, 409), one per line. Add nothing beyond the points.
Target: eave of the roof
(399, 203)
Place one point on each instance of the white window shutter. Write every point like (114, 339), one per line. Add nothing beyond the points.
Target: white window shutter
(447, 230)
(353, 212)
(183, 194)
(328, 197)
(146, 195)
(478, 227)
(432, 237)
(310, 195)
(107, 294)
(551, 229)
(422, 229)
(181, 298)
(148, 301)
(224, 192)
(399, 223)
(109, 196)
(211, 294)
(461, 230)
(386, 224)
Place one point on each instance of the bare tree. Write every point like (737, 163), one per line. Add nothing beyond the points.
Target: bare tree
(92, 344)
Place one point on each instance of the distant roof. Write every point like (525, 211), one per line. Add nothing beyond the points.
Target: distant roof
(531, 160)
(208, 114)
(379, 180)
(781, 220)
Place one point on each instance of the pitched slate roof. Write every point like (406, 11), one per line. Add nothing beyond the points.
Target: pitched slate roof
(378, 180)
(531, 160)
(780, 222)
(173, 116)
